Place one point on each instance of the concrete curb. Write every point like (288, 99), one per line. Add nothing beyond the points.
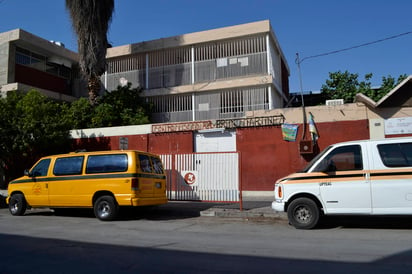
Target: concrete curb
(266, 213)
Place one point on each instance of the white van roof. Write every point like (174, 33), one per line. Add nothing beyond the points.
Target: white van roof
(385, 140)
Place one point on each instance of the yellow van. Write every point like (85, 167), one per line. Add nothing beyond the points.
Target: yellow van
(104, 181)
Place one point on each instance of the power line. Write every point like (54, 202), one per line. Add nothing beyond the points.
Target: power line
(353, 47)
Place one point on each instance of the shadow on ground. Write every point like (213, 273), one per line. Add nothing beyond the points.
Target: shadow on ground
(169, 211)
(367, 222)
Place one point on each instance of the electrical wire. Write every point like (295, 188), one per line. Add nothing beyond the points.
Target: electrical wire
(353, 47)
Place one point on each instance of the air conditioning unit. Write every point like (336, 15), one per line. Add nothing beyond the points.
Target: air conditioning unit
(306, 147)
(335, 102)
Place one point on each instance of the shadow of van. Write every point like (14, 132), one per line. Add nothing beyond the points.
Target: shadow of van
(366, 222)
(170, 211)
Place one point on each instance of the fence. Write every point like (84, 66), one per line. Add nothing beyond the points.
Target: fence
(203, 176)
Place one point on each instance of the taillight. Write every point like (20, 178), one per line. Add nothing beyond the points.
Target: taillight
(135, 184)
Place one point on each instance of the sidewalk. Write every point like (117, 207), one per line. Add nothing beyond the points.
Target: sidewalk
(250, 209)
(256, 208)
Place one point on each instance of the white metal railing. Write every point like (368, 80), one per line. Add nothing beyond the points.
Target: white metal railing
(203, 176)
(181, 74)
(212, 105)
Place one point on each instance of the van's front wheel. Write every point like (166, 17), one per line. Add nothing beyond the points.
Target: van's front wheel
(106, 208)
(17, 204)
(303, 213)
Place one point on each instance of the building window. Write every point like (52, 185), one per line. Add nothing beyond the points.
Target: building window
(231, 101)
(39, 62)
(28, 58)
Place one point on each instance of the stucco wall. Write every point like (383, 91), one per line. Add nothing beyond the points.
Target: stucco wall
(265, 156)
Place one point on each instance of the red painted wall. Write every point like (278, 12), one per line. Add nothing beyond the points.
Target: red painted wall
(92, 144)
(173, 142)
(41, 79)
(398, 135)
(135, 142)
(265, 157)
(160, 143)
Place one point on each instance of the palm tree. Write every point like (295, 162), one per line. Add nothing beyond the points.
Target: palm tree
(91, 19)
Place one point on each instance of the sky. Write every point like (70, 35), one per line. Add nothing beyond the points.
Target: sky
(307, 28)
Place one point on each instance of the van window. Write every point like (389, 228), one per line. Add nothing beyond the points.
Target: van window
(106, 163)
(157, 165)
(342, 159)
(396, 155)
(68, 166)
(41, 168)
(145, 163)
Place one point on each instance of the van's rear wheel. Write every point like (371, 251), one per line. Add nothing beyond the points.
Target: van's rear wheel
(106, 208)
(303, 213)
(17, 205)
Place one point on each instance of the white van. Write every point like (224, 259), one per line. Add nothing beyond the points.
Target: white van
(371, 177)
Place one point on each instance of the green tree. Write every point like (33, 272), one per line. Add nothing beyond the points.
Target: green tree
(345, 85)
(91, 20)
(388, 83)
(31, 126)
(121, 107)
(79, 113)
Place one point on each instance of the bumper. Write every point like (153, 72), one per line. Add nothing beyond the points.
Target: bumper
(278, 206)
(148, 201)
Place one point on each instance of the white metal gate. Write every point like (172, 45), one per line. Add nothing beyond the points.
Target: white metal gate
(203, 176)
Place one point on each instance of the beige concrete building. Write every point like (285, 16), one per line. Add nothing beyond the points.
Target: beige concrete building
(214, 74)
(28, 61)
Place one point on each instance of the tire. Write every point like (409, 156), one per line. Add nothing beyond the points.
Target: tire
(17, 205)
(303, 213)
(105, 208)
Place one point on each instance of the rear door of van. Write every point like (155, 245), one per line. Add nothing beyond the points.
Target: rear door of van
(152, 181)
(392, 177)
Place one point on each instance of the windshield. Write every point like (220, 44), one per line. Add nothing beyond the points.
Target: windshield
(314, 160)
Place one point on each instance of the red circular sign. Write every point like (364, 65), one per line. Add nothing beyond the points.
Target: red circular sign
(190, 178)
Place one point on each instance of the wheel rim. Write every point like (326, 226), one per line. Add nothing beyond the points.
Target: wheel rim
(14, 207)
(302, 214)
(104, 210)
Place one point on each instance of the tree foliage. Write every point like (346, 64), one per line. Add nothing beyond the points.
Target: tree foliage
(345, 85)
(32, 125)
(29, 127)
(123, 106)
(79, 113)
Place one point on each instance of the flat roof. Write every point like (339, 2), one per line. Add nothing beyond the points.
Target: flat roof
(37, 44)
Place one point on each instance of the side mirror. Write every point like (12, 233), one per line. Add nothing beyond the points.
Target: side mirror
(322, 166)
(27, 173)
